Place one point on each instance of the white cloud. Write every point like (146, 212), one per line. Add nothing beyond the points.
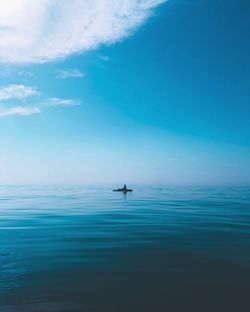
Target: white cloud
(43, 30)
(15, 91)
(7, 71)
(18, 110)
(70, 73)
(25, 74)
(27, 110)
(18, 93)
(104, 58)
(62, 102)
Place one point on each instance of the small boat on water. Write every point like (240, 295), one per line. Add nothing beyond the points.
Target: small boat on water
(124, 189)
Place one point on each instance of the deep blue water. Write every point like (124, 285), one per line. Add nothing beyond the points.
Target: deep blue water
(78, 248)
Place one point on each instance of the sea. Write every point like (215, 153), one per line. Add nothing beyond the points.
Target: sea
(159, 248)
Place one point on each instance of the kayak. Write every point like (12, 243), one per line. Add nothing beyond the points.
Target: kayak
(123, 190)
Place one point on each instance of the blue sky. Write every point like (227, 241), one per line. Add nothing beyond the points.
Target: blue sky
(132, 92)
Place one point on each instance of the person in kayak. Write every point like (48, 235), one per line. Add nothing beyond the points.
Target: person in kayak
(123, 189)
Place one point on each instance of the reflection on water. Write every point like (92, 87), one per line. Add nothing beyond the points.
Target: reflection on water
(156, 249)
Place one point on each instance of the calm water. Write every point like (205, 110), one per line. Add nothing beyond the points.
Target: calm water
(156, 249)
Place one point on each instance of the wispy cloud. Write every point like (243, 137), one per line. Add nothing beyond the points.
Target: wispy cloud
(38, 31)
(18, 110)
(17, 91)
(15, 100)
(25, 74)
(27, 109)
(13, 71)
(70, 73)
(62, 102)
(104, 58)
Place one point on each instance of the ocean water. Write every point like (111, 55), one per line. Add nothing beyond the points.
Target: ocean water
(85, 248)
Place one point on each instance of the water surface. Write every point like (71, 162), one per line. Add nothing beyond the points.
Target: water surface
(79, 248)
